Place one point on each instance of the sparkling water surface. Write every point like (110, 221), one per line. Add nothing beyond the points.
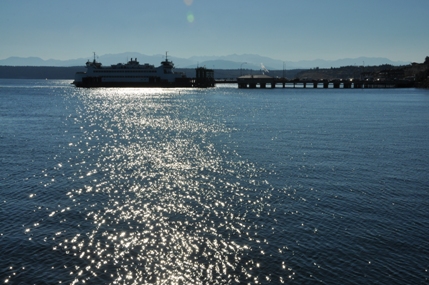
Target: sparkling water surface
(213, 186)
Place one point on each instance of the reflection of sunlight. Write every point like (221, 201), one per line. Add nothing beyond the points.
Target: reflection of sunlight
(107, 92)
(160, 202)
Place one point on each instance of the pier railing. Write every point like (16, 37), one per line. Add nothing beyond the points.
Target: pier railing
(262, 81)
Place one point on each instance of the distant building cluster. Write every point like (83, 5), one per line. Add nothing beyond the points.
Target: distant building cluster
(386, 74)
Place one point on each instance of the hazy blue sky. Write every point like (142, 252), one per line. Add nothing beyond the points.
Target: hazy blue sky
(281, 29)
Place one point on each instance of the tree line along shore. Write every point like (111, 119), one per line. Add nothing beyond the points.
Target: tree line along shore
(417, 72)
(68, 73)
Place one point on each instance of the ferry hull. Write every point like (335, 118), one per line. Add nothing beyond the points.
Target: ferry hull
(135, 84)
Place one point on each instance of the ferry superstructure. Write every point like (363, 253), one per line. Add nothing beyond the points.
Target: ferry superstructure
(134, 74)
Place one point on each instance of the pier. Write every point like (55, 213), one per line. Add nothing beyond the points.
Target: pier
(264, 81)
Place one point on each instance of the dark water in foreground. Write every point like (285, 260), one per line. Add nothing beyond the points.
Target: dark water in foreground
(216, 186)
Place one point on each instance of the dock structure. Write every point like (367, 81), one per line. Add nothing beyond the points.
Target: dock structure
(204, 77)
(264, 81)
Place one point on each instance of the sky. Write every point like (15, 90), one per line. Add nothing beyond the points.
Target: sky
(280, 29)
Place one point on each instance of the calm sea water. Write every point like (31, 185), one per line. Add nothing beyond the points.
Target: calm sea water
(215, 186)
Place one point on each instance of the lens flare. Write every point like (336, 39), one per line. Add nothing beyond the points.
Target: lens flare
(190, 17)
(188, 2)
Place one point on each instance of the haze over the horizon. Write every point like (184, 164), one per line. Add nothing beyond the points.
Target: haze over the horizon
(280, 29)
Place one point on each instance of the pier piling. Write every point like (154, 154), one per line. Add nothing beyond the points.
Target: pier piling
(253, 81)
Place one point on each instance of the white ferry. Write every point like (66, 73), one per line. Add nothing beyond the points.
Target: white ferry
(134, 74)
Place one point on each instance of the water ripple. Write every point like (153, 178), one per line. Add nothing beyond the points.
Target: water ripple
(159, 201)
(216, 186)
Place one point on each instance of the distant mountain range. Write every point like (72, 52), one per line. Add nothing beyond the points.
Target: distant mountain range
(234, 61)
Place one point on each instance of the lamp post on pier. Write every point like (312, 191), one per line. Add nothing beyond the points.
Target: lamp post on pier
(241, 68)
